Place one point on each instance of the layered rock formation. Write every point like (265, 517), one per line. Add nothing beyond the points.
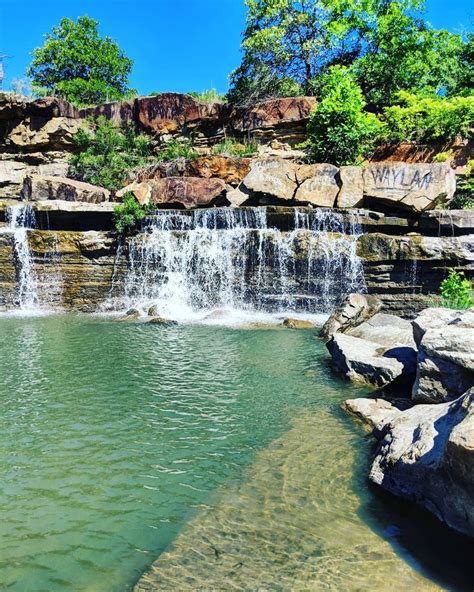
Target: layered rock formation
(425, 454)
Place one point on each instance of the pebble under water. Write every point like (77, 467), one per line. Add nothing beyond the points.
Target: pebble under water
(219, 455)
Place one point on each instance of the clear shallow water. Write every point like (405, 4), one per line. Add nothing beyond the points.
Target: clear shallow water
(119, 441)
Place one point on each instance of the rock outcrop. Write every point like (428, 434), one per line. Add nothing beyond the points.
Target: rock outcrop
(42, 187)
(414, 187)
(353, 311)
(445, 367)
(425, 454)
(187, 192)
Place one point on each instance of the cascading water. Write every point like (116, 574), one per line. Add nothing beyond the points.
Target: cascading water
(21, 218)
(191, 262)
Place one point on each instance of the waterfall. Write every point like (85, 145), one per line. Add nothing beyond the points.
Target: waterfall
(21, 218)
(189, 262)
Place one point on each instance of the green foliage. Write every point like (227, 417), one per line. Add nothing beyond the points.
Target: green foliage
(464, 196)
(443, 156)
(456, 290)
(231, 147)
(463, 78)
(208, 96)
(104, 153)
(429, 118)
(77, 64)
(339, 130)
(177, 148)
(129, 215)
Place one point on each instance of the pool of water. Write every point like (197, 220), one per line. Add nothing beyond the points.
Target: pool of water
(216, 454)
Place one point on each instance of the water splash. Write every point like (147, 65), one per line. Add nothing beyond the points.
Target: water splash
(190, 262)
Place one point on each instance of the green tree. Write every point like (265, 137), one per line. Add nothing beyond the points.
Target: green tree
(339, 130)
(295, 40)
(463, 83)
(77, 64)
(404, 53)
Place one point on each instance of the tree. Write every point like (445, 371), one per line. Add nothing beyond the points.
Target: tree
(78, 65)
(463, 84)
(339, 130)
(404, 53)
(289, 40)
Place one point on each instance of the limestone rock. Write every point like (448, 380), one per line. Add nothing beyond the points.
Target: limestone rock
(351, 194)
(42, 187)
(132, 314)
(355, 309)
(118, 112)
(413, 187)
(271, 113)
(436, 318)
(320, 187)
(12, 174)
(373, 413)
(363, 362)
(445, 367)
(238, 196)
(37, 133)
(231, 169)
(273, 177)
(157, 320)
(426, 455)
(188, 192)
(298, 324)
(14, 107)
(385, 329)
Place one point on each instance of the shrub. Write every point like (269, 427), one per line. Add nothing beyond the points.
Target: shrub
(443, 156)
(429, 118)
(339, 130)
(105, 153)
(129, 214)
(233, 147)
(177, 148)
(208, 96)
(456, 291)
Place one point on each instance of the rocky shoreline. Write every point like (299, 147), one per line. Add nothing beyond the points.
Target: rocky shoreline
(425, 439)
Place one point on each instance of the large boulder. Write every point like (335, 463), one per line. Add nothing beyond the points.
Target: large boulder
(273, 178)
(37, 133)
(317, 185)
(231, 169)
(42, 187)
(412, 187)
(187, 192)
(17, 107)
(368, 362)
(445, 367)
(426, 454)
(354, 310)
(351, 194)
(385, 329)
(118, 112)
(12, 174)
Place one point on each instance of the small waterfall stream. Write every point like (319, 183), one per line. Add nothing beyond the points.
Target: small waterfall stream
(21, 218)
(225, 258)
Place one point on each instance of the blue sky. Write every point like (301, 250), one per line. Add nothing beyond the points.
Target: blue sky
(178, 45)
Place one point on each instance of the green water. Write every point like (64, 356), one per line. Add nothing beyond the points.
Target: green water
(119, 442)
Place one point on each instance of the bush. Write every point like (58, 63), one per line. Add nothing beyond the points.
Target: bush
(105, 154)
(232, 147)
(129, 214)
(429, 118)
(177, 148)
(339, 130)
(456, 291)
(208, 96)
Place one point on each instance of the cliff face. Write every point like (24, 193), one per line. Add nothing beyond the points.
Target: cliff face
(404, 248)
(83, 270)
